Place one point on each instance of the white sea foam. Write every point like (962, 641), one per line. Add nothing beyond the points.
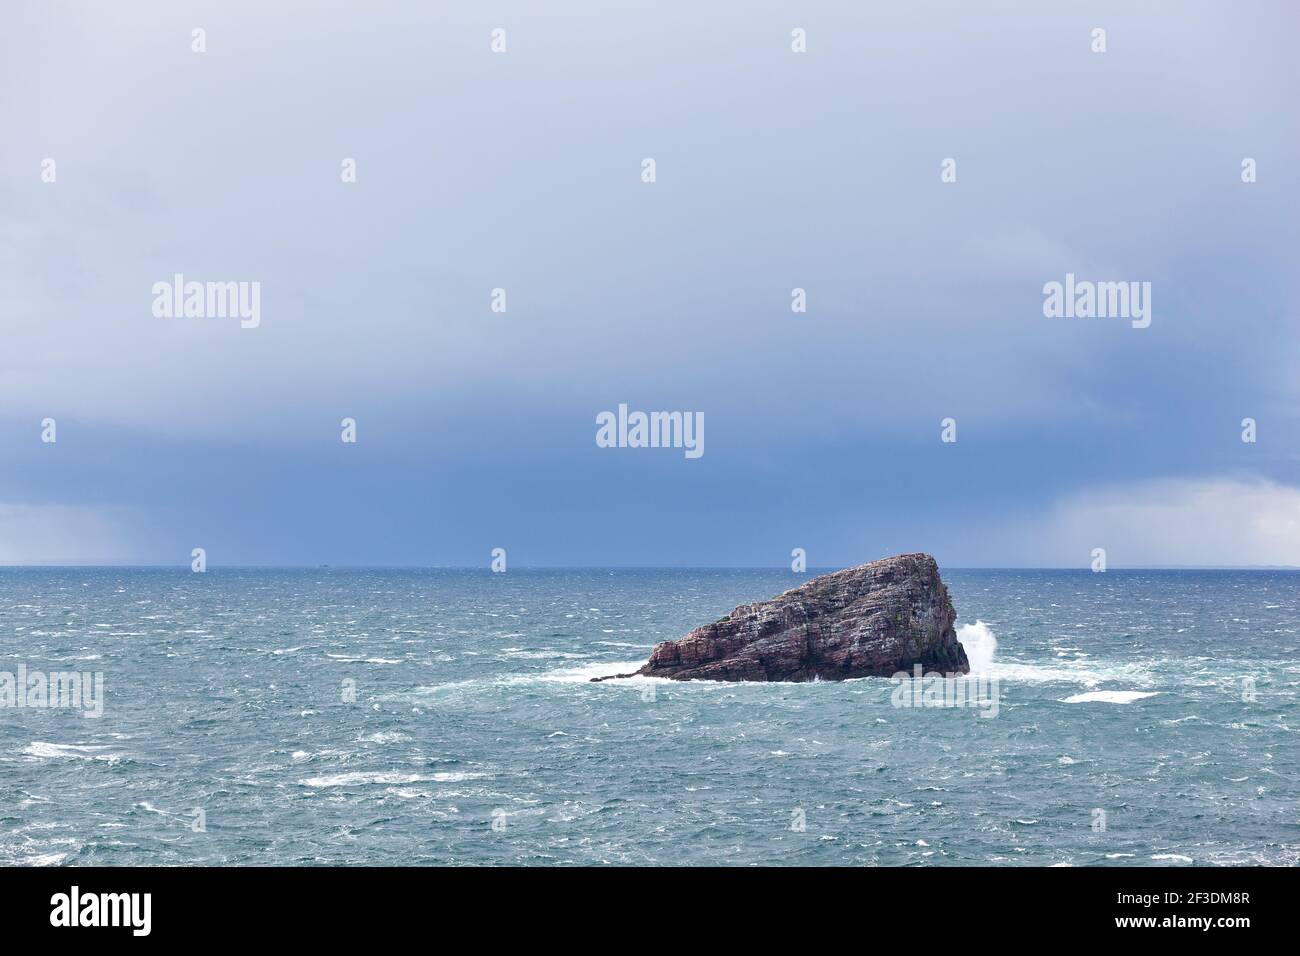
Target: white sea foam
(584, 674)
(982, 650)
(389, 777)
(384, 737)
(1071, 672)
(523, 655)
(47, 751)
(564, 675)
(981, 647)
(406, 793)
(1109, 696)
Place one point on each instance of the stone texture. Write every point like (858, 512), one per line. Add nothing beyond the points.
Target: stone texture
(872, 620)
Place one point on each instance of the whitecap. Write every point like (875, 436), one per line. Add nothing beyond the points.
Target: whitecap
(584, 674)
(389, 777)
(1109, 696)
(405, 793)
(46, 751)
(515, 653)
(384, 737)
(981, 647)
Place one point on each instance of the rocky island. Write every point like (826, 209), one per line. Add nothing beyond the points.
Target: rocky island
(872, 620)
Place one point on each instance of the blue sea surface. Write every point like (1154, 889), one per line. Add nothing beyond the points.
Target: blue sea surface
(334, 716)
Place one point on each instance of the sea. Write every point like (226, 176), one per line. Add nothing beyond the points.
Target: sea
(327, 716)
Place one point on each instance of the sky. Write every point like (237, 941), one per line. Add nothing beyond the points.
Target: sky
(522, 170)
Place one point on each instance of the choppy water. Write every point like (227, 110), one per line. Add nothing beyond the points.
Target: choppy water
(225, 692)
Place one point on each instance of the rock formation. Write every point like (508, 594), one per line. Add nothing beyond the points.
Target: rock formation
(872, 620)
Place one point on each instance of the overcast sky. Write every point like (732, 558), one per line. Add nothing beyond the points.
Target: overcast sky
(774, 170)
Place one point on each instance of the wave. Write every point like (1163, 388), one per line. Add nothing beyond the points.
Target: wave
(389, 777)
(1109, 696)
(981, 646)
(516, 653)
(46, 751)
(584, 674)
(384, 737)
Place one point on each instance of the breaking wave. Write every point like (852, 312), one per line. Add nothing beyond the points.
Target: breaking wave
(360, 778)
(1109, 697)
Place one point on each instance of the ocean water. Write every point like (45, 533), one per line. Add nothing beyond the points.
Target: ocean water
(1126, 732)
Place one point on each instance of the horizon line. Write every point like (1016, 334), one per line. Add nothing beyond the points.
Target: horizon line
(629, 567)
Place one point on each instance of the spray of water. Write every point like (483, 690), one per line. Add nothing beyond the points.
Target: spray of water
(980, 645)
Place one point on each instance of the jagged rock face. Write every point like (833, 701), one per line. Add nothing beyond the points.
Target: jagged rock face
(872, 620)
